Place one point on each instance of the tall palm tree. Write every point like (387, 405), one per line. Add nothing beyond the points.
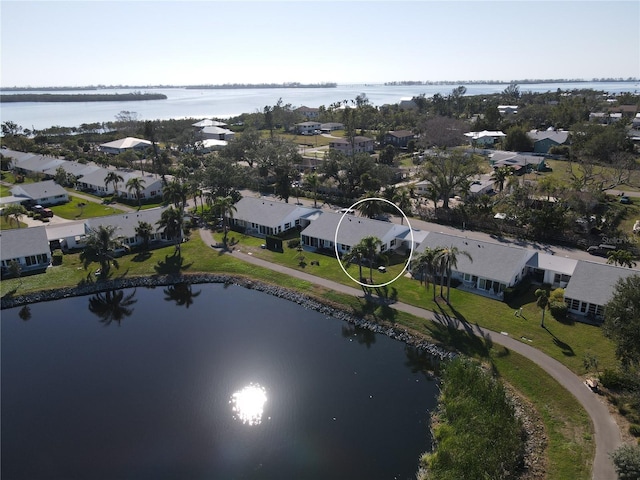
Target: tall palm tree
(427, 262)
(144, 230)
(100, 247)
(448, 258)
(314, 182)
(113, 178)
(371, 247)
(500, 176)
(136, 184)
(170, 223)
(370, 208)
(402, 199)
(176, 193)
(226, 207)
(355, 255)
(16, 211)
(542, 302)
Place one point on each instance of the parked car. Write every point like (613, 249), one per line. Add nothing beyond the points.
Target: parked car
(601, 250)
(45, 212)
(625, 200)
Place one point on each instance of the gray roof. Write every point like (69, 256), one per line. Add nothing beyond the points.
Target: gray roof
(22, 242)
(74, 168)
(126, 223)
(352, 228)
(553, 263)
(37, 163)
(595, 282)
(493, 261)
(57, 231)
(37, 190)
(558, 136)
(268, 212)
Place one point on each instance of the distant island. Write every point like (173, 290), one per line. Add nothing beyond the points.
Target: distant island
(264, 85)
(505, 82)
(80, 97)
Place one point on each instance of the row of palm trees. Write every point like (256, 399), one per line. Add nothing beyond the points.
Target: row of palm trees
(438, 262)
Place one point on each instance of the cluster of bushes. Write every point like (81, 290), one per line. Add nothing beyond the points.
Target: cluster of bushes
(476, 432)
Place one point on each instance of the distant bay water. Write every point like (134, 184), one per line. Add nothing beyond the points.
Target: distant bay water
(225, 103)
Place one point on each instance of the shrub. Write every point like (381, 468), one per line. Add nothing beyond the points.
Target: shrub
(612, 379)
(634, 429)
(626, 460)
(56, 258)
(293, 243)
(558, 310)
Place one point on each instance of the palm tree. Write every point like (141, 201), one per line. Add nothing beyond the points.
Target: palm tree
(113, 178)
(542, 302)
(100, 246)
(136, 184)
(448, 258)
(371, 248)
(16, 211)
(112, 305)
(170, 223)
(500, 176)
(313, 181)
(624, 258)
(370, 208)
(144, 230)
(226, 207)
(355, 255)
(427, 262)
(176, 193)
(402, 199)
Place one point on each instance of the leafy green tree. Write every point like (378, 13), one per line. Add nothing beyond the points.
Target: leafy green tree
(624, 258)
(622, 320)
(626, 460)
(100, 246)
(517, 140)
(113, 178)
(171, 223)
(136, 184)
(144, 230)
(542, 302)
(448, 258)
(14, 211)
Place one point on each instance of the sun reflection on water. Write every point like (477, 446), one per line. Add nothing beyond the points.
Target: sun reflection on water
(248, 404)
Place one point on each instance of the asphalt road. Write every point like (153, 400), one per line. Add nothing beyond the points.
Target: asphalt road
(607, 432)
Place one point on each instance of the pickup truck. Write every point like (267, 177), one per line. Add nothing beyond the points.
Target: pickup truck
(45, 212)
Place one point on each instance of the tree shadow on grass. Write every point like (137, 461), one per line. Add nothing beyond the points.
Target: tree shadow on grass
(566, 348)
(142, 256)
(371, 308)
(171, 265)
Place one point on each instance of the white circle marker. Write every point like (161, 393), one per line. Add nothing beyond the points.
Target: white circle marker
(335, 242)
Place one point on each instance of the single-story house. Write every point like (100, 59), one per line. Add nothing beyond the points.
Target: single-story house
(422, 187)
(518, 161)
(307, 128)
(67, 235)
(493, 267)
(485, 137)
(94, 182)
(261, 217)
(331, 126)
(126, 224)
(217, 133)
(551, 269)
(76, 169)
(321, 233)
(27, 246)
(308, 112)
(211, 144)
(43, 193)
(508, 110)
(481, 185)
(30, 163)
(398, 138)
(360, 145)
(591, 286)
(124, 144)
(544, 140)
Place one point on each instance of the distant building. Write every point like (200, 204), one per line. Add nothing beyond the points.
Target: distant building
(398, 138)
(544, 140)
(360, 145)
(308, 128)
(484, 138)
(308, 112)
(124, 144)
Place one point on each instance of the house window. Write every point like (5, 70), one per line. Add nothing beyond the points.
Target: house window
(482, 284)
(583, 307)
(592, 308)
(393, 242)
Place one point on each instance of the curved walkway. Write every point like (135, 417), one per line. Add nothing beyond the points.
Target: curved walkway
(607, 432)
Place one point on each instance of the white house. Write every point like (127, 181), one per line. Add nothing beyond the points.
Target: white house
(260, 217)
(321, 233)
(68, 235)
(94, 182)
(126, 224)
(216, 133)
(124, 144)
(360, 145)
(44, 193)
(307, 128)
(552, 269)
(27, 246)
(308, 112)
(485, 137)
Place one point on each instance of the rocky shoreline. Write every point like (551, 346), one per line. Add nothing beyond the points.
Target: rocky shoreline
(394, 332)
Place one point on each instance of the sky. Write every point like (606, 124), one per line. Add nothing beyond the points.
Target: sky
(156, 42)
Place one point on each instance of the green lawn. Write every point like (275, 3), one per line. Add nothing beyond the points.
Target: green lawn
(5, 191)
(570, 436)
(562, 170)
(72, 211)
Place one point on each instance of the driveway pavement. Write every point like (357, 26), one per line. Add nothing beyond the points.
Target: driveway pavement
(607, 432)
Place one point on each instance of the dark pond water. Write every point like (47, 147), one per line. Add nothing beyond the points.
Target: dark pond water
(206, 382)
